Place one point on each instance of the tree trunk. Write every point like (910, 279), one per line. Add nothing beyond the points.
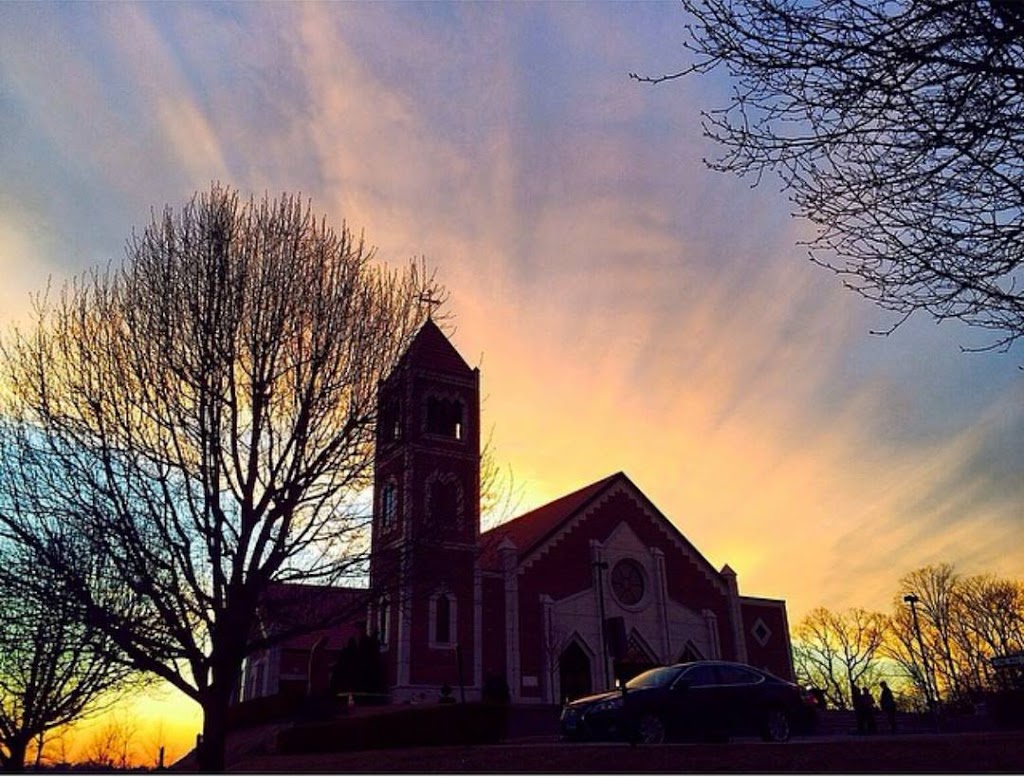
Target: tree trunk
(15, 761)
(210, 754)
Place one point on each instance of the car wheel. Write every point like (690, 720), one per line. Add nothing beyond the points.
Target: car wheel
(777, 727)
(650, 730)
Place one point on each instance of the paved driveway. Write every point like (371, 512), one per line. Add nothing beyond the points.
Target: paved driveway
(974, 753)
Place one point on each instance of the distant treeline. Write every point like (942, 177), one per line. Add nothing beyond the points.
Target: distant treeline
(936, 644)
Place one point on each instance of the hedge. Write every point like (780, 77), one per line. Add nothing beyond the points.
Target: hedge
(412, 726)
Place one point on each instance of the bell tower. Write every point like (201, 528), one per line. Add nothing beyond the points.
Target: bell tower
(424, 574)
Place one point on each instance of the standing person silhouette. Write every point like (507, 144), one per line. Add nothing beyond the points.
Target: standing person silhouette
(868, 705)
(858, 709)
(888, 705)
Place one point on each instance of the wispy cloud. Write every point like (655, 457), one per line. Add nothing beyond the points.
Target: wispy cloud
(632, 310)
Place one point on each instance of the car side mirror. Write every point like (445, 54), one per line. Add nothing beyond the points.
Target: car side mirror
(681, 685)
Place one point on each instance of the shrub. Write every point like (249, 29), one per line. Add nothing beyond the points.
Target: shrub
(265, 709)
(418, 726)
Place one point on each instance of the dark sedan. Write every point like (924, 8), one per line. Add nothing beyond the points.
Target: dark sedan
(709, 699)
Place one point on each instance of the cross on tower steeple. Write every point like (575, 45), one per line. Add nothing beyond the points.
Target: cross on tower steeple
(424, 565)
(430, 302)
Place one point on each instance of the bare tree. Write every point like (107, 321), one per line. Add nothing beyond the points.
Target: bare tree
(53, 670)
(156, 746)
(52, 749)
(112, 745)
(903, 650)
(500, 495)
(200, 418)
(895, 127)
(963, 622)
(991, 615)
(936, 588)
(835, 651)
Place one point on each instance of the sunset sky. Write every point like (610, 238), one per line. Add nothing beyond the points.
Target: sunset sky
(629, 309)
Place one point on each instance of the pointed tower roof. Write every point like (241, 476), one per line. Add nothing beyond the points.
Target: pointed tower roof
(430, 348)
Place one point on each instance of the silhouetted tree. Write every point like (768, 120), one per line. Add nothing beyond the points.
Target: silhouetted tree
(936, 588)
(500, 496)
(964, 622)
(902, 648)
(201, 418)
(111, 745)
(895, 127)
(53, 669)
(834, 651)
(992, 615)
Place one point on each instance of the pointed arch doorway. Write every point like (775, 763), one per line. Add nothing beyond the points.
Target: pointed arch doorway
(636, 658)
(574, 672)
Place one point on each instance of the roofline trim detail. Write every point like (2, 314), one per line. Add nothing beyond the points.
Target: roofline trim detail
(620, 483)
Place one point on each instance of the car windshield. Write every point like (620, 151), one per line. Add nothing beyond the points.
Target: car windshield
(654, 678)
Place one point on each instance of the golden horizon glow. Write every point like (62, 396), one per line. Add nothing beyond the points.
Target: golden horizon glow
(629, 310)
(132, 729)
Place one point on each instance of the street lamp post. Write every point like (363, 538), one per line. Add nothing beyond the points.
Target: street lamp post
(912, 600)
(600, 567)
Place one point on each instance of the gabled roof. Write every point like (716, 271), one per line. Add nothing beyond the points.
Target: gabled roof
(430, 348)
(529, 532)
(530, 529)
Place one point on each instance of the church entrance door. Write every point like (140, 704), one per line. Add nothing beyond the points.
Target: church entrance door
(634, 661)
(574, 672)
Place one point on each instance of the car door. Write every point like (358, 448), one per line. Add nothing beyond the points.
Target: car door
(740, 698)
(695, 701)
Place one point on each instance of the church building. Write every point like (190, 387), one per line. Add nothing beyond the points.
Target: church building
(559, 602)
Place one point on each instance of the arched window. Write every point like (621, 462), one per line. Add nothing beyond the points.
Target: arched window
(444, 622)
(389, 505)
(445, 418)
(389, 424)
(443, 619)
(384, 622)
(444, 499)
